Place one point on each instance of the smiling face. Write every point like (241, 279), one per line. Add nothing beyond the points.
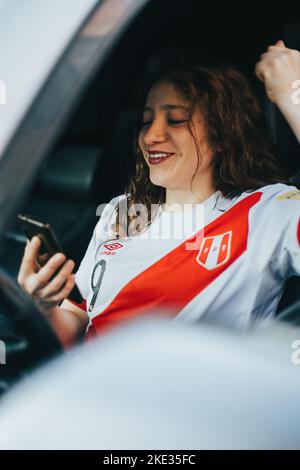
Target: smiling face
(167, 144)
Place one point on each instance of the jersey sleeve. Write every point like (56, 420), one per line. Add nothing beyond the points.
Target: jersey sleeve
(288, 226)
(103, 231)
(82, 274)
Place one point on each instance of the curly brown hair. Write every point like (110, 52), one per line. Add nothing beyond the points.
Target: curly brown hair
(244, 158)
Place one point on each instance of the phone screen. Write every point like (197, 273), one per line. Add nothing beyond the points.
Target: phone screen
(49, 246)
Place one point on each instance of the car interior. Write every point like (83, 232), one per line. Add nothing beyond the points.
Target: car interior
(93, 159)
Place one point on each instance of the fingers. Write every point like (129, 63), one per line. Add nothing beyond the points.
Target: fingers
(40, 279)
(55, 299)
(57, 283)
(280, 43)
(278, 68)
(261, 72)
(28, 265)
(274, 53)
(47, 285)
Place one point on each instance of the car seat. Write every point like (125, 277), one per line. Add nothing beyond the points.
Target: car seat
(70, 186)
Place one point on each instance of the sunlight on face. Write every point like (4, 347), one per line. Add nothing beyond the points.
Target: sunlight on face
(166, 142)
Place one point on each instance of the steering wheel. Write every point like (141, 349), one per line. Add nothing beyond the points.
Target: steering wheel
(27, 339)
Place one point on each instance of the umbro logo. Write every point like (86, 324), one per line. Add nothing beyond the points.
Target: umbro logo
(113, 246)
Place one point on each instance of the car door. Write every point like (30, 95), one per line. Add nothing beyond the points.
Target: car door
(49, 55)
(38, 105)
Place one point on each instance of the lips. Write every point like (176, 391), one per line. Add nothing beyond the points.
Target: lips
(158, 157)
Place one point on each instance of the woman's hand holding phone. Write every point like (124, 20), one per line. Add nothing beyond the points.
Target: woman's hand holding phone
(48, 284)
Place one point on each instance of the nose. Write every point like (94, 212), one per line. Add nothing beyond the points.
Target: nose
(155, 133)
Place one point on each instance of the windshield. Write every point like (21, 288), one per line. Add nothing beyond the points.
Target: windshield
(27, 55)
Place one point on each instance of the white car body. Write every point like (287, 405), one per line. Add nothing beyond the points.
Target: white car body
(27, 56)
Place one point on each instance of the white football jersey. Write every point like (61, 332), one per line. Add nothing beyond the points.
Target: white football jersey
(223, 261)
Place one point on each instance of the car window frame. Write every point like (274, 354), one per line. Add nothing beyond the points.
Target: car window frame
(46, 118)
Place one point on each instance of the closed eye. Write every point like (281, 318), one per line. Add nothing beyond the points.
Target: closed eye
(175, 122)
(172, 122)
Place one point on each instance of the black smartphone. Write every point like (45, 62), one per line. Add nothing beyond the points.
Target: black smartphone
(49, 245)
(32, 227)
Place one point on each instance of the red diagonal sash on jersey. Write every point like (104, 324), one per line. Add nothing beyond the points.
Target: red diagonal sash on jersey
(174, 280)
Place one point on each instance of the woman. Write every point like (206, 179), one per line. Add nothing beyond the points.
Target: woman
(199, 144)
